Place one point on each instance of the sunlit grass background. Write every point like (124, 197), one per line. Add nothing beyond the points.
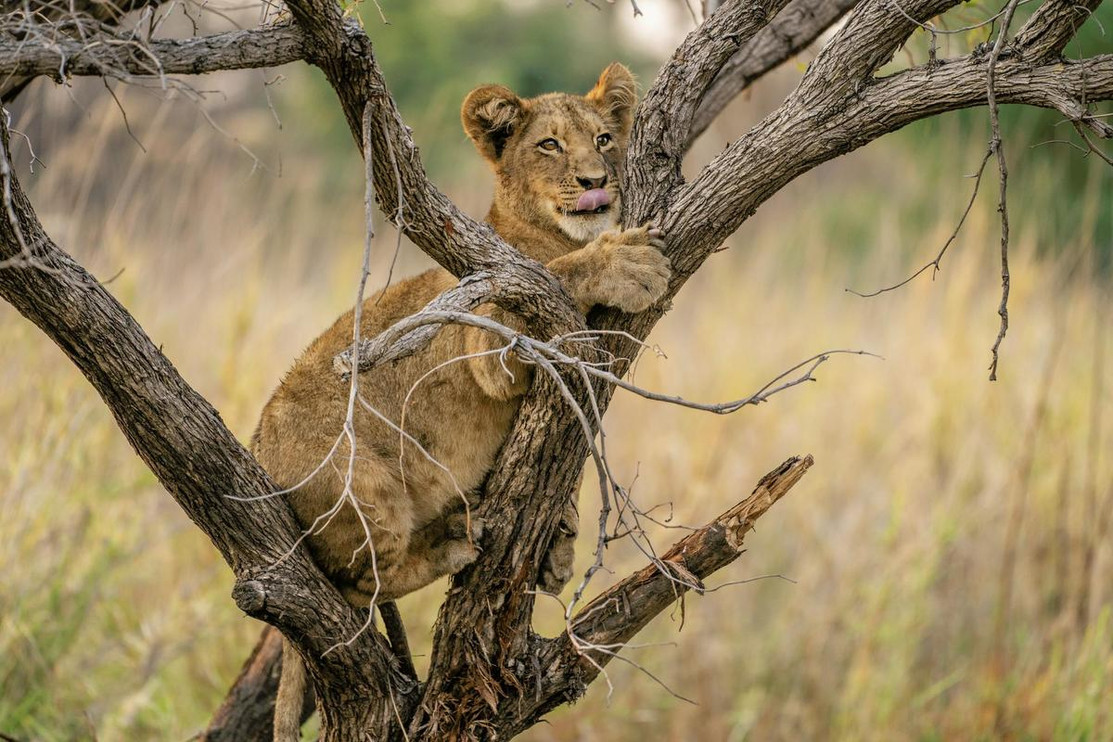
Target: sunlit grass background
(903, 614)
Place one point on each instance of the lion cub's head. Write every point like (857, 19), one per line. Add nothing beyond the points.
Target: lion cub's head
(556, 157)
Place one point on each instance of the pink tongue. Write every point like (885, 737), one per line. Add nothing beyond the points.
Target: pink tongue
(593, 199)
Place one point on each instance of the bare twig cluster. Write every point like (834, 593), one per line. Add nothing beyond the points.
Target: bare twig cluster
(1075, 110)
(560, 359)
(65, 39)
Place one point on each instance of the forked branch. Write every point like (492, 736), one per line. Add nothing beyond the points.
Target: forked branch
(602, 627)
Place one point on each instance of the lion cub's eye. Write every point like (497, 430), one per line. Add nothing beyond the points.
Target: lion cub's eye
(549, 145)
(602, 140)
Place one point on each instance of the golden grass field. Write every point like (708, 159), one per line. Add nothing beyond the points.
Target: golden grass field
(902, 615)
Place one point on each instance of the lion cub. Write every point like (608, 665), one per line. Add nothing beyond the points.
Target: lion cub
(556, 160)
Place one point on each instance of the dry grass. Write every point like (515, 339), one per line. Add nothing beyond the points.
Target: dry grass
(114, 612)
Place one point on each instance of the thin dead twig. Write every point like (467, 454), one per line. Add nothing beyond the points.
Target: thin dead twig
(550, 358)
(1090, 146)
(348, 495)
(954, 235)
(997, 147)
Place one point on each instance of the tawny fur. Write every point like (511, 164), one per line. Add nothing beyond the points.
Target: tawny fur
(461, 413)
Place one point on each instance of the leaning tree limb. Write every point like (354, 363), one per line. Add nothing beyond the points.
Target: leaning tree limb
(212, 477)
(576, 657)
(799, 24)
(120, 57)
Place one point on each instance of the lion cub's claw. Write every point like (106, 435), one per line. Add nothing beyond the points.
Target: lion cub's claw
(635, 273)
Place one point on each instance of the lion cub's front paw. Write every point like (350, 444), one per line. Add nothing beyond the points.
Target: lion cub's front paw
(557, 569)
(464, 526)
(463, 547)
(635, 273)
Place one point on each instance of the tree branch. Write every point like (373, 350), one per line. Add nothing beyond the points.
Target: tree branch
(869, 38)
(790, 32)
(796, 137)
(26, 20)
(182, 439)
(649, 591)
(660, 135)
(409, 335)
(913, 94)
(600, 629)
(1051, 26)
(118, 57)
(48, 10)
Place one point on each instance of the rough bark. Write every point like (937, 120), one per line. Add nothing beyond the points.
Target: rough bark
(1052, 26)
(182, 439)
(33, 22)
(797, 26)
(664, 119)
(110, 56)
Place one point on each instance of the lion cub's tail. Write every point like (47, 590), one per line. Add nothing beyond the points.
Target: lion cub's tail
(291, 694)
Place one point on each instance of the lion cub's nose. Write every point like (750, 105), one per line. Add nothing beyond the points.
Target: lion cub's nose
(591, 183)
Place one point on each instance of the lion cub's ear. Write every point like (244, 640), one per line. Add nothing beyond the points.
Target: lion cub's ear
(615, 95)
(490, 114)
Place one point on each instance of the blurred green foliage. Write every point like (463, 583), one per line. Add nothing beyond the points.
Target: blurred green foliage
(433, 54)
(1058, 192)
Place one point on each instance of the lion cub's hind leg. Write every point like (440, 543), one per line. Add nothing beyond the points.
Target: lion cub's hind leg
(363, 545)
(442, 547)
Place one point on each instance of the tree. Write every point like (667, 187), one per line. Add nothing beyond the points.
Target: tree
(490, 675)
